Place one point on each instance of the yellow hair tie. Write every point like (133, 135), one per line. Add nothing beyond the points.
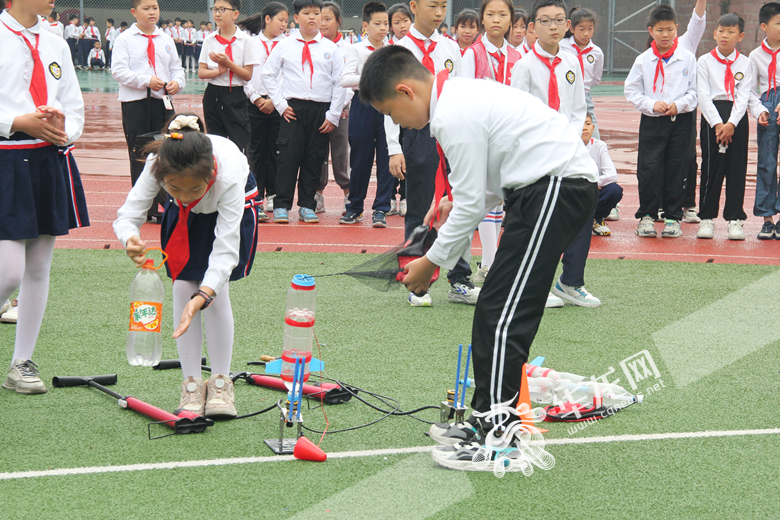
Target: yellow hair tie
(176, 135)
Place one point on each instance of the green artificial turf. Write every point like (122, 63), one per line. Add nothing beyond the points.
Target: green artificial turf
(374, 340)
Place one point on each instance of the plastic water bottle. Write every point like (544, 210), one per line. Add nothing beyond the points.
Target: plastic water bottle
(534, 371)
(541, 389)
(144, 338)
(298, 326)
(594, 392)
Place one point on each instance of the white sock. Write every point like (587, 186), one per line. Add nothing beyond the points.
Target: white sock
(488, 235)
(189, 344)
(27, 263)
(218, 319)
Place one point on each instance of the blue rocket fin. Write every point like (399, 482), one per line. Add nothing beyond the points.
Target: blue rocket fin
(536, 362)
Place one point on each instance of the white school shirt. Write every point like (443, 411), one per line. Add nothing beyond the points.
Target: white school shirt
(679, 82)
(593, 61)
(177, 33)
(245, 52)
(95, 54)
(189, 35)
(200, 36)
(91, 33)
(759, 61)
(16, 68)
(710, 79)
(71, 31)
(600, 155)
(343, 45)
(524, 48)
(354, 60)
(296, 83)
(255, 88)
(130, 64)
(693, 33)
(446, 54)
(167, 30)
(468, 63)
(531, 75)
(56, 29)
(225, 197)
(511, 141)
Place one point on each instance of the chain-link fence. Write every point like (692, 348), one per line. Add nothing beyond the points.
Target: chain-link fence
(621, 31)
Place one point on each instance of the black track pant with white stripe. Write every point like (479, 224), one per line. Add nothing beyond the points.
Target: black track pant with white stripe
(541, 220)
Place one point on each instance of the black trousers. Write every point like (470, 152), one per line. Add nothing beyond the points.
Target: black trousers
(541, 220)
(422, 161)
(264, 132)
(662, 164)
(302, 152)
(141, 117)
(731, 165)
(226, 115)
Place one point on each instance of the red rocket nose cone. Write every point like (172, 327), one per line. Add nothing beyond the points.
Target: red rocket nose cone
(307, 450)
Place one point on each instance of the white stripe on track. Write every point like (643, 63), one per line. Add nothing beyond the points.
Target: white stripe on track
(369, 453)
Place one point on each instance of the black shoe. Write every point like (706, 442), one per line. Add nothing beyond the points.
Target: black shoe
(767, 231)
(352, 217)
(379, 220)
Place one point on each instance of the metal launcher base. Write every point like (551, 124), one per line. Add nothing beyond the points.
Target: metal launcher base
(450, 410)
(282, 446)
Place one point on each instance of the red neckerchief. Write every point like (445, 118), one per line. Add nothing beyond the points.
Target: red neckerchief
(150, 50)
(580, 53)
(338, 38)
(442, 182)
(427, 61)
(659, 68)
(728, 82)
(273, 45)
(306, 57)
(228, 51)
(463, 52)
(178, 247)
(501, 59)
(553, 98)
(525, 48)
(38, 89)
(772, 72)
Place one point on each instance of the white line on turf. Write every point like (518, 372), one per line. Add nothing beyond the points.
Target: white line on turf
(368, 453)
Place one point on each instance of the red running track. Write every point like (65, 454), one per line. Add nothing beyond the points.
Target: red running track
(103, 161)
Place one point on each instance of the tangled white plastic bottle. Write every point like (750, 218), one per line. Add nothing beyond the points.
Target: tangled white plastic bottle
(298, 326)
(594, 392)
(144, 337)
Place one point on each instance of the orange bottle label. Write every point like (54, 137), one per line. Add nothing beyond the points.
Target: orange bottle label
(145, 317)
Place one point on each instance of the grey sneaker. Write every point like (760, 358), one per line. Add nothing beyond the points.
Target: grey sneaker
(269, 204)
(706, 229)
(10, 312)
(379, 220)
(308, 216)
(767, 231)
(393, 207)
(646, 229)
(346, 201)
(601, 229)
(220, 397)
(193, 395)
(463, 291)
(690, 216)
(352, 218)
(402, 208)
(481, 274)
(735, 230)
(320, 198)
(614, 214)
(24, 378)
(671, 229)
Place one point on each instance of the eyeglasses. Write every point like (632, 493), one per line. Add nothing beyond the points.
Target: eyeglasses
(546, 22)
(221, 10)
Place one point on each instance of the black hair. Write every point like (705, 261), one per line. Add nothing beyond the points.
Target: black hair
(333, 6)
(546, 3)
(444, 25)
(299, 5)
(177, 19)
(466, 17)
(53, 14)
(768, 11)
(732, 20)
(73, 17)
(234, 4)
(383, 70)
(578, 15)
(203, 23)
(509, 6)
(398, 9)
(192, 153)
(110, 20)
(371, 8)
(122, 24)
(89, 19)
(662, 13)
(256, 23)
(521, 14)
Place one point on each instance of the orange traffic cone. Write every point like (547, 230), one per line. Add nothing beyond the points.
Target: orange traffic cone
(307, 450)
(525, 399)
